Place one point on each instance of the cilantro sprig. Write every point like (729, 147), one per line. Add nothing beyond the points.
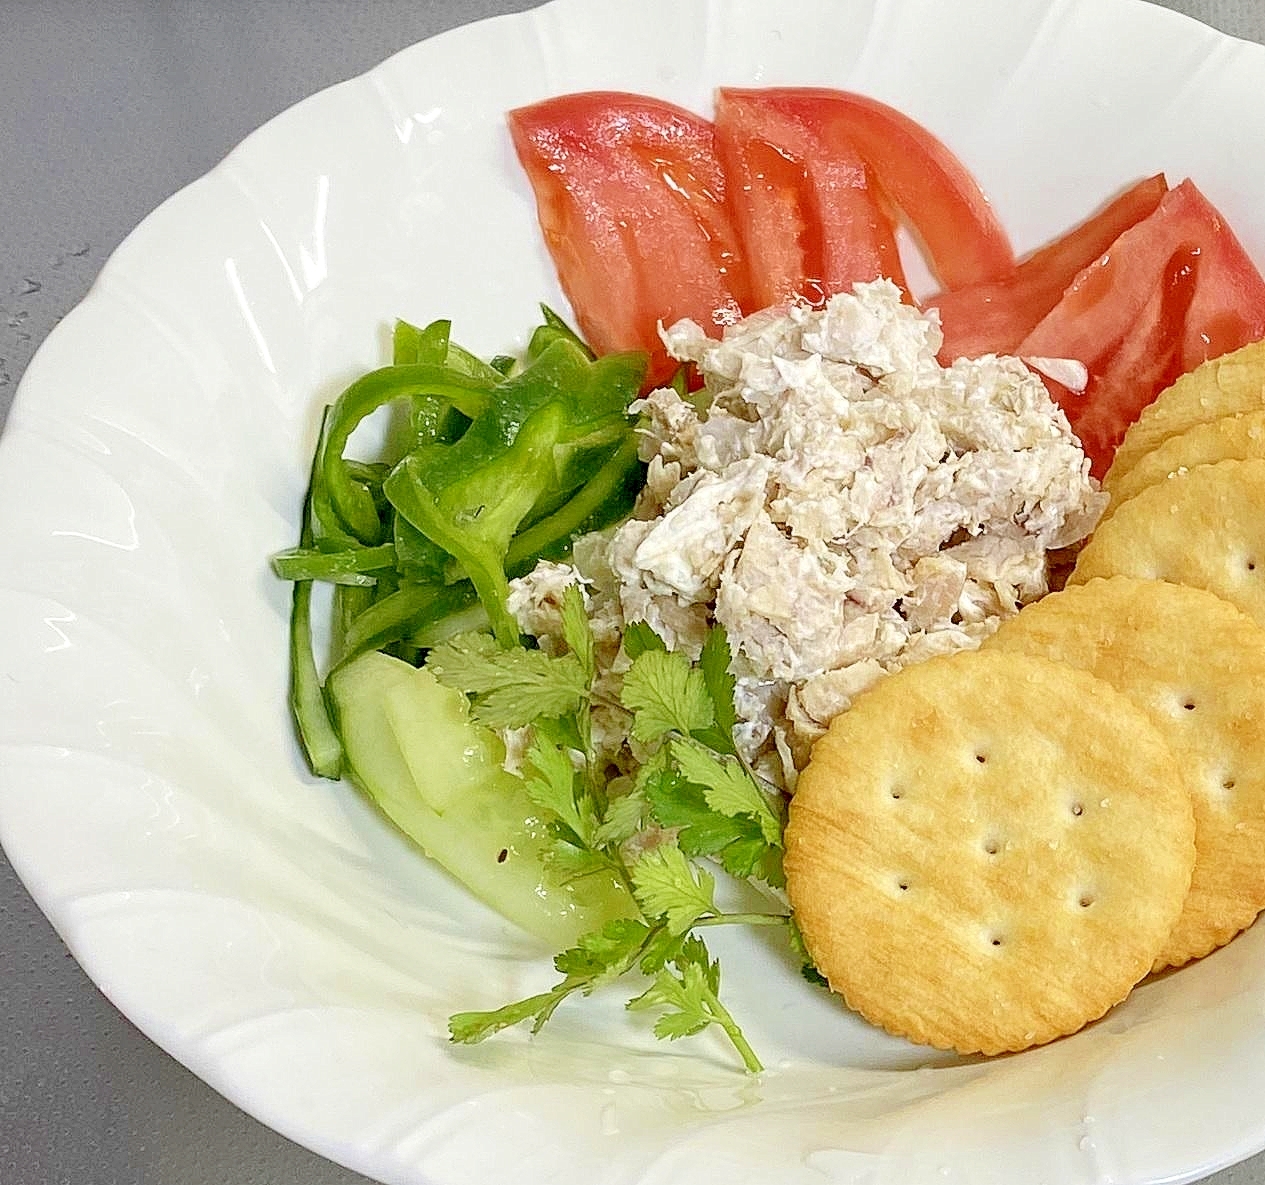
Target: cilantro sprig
(693, 800)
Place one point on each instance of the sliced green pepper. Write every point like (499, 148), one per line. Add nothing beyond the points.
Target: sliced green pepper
(548, 428)
(354, 566)
(350, 501)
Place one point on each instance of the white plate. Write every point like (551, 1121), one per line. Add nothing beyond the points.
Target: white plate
(269, 930)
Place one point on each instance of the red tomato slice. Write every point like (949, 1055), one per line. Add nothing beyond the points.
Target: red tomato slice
(825, 131)
(993, 317)
(809, 220)
(1153, 352)
(1171, 292)
(631, 200)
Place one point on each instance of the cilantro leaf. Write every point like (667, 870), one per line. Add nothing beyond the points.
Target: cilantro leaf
(566, 862)
(750, 856)
(659, 951)
(689, 994)
(596, 958)
(468, 662)
(694, 952)
(684, 996)
(735, 841)
(639, 637)
(605, 953)
(560, 731)
(550, 784)
(625, 816)
(667, 885)
(714, 663)
(807, 968)
(691, 780)
(512, 687)
(577, 632)
(674, 802)
(533, 689)
(469, 1028)
(727, 786)
(666, 693)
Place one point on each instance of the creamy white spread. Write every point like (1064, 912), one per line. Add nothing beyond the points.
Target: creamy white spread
(841, 503)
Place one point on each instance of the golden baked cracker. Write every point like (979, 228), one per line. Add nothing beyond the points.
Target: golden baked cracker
(1196, 665)
(1231, 438)
(988, 850)
(1223, 386)
(1204, 527)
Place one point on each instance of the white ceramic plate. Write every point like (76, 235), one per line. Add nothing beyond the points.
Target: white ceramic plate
(270, 931)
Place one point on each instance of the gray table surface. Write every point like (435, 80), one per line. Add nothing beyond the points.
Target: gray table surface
(106, 108)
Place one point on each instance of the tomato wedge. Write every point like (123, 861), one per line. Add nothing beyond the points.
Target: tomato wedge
(994, 316)
(844, 160)
(1172, 291)
(810, 222)
(631, 199)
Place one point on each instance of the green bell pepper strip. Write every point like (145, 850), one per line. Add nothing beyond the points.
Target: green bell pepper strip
(325, 531)
(471, 365)
(472, 616)
(575, 462)
(350, 501)
(368, 473)
(474, 517)
(577, 458)
(555, 327)
(545, 335)
(400, 615)
(582, 513)
(431, 420)
(607, 496)
(410, 344)
(430, 417)
(545, 430)
(355, 566)
(350, 603)
(435, 344)
(416, 557)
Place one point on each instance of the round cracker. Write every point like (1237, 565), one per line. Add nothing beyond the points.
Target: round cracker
(1196, 665)
(1202, 526)
(1231, 438)
(1220, 387)
(987, 851)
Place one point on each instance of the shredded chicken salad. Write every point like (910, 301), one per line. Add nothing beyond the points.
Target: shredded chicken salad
(835, 498)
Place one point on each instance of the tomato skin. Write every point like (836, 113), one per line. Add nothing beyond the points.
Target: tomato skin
(828, 131)
(1174, 290)
(996, 315)
(631, 201)
(1143, 364)
(810, 222)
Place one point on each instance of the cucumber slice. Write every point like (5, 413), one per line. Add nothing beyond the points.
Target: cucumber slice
(448, 757)
(412, 749)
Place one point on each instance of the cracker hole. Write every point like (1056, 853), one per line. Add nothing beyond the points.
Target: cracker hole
(1227, 784)
(992, 846)
(897, 792)
(1086, 900)
(903, 885)
(1078, 809)
(995, 940)
(981, 758)
(1189, 705)
(1251, 565)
